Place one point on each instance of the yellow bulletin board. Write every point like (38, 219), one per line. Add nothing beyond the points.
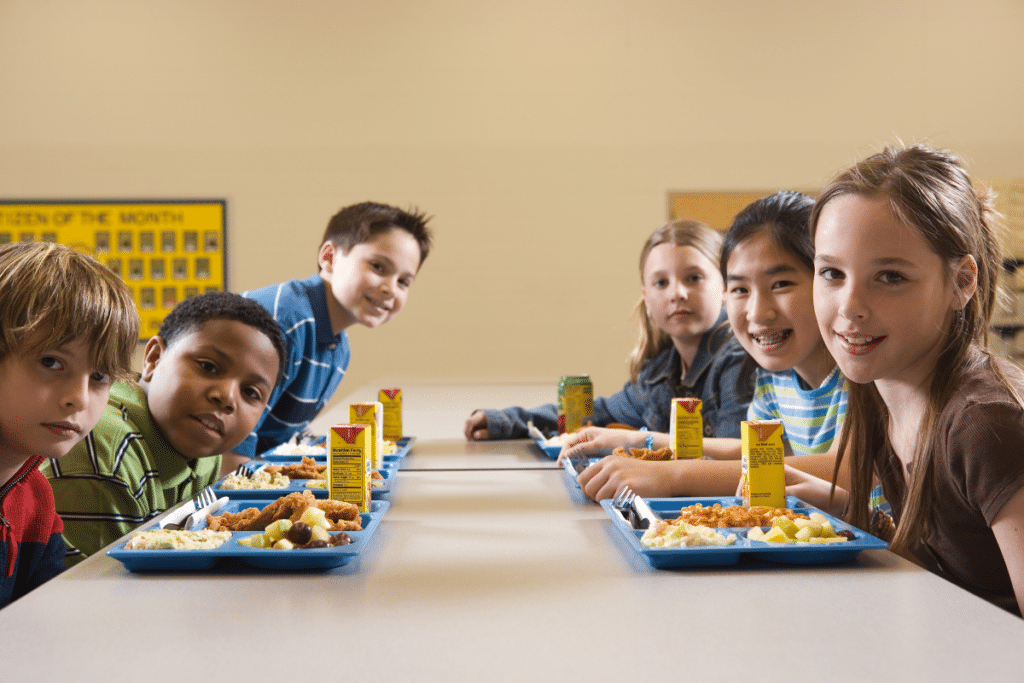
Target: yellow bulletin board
(165, 250)
(717, 209)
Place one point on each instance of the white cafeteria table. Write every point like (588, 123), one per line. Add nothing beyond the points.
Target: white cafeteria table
(490, 566)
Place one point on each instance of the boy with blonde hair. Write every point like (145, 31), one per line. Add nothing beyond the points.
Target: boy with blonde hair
(68, 327)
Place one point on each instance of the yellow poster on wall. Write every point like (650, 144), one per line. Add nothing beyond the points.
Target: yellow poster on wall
(166, 250)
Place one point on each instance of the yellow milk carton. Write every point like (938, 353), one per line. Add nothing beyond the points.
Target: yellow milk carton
(348, 464)
(686, 430)
(371, 414)
(763, 478)
(392, 401)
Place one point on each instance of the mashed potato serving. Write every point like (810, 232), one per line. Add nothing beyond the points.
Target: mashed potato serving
(176, 539)
(666, 535)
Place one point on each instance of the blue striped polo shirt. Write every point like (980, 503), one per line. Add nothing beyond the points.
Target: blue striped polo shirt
(317, 360)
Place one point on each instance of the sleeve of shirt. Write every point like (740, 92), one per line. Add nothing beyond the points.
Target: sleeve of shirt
(510, 423)
(624, 407)
(760, 407)
(97, 510)
(985, 443)
(731, 405)
(50, 559)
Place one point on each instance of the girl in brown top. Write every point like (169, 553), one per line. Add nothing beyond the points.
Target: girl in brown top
(906, 263)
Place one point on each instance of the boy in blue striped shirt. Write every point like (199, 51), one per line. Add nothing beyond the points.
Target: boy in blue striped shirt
(368, 258)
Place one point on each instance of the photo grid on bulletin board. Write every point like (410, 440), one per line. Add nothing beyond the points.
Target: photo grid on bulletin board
(165, 250)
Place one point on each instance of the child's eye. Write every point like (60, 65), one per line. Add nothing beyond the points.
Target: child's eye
(661, 282)
(206, 365)
(101, 378)
(738, 291)
(51, 362)
(830, 274)
(891, 278)
(405, 283)
(782, 284)
(253, 394)
(695, 278)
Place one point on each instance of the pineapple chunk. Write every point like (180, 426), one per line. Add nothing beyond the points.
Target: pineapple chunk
(315, 517)
(776, 535)
(278, 529)
(805, 534)
(283, 544)
(827, 530)
(319, 534)
(755, 534)
(787, 525)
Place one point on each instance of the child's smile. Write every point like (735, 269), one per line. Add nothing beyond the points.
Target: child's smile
(769, 300)
(884, 299)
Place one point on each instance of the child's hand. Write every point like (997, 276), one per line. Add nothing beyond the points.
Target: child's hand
(476, 427)
(817, 492)
(590, 439)
(608, 476)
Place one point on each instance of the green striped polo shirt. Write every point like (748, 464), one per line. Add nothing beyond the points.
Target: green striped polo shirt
(121, 475)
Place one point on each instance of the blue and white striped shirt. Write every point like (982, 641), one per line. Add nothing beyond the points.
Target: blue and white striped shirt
(317, 360)
(810, 417)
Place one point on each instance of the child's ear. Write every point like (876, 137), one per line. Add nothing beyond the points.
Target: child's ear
(326, 256)
(151, 357)
(966, 283)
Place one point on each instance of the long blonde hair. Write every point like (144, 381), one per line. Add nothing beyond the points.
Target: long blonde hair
(684, 232)
(51, 294)
(930, 190)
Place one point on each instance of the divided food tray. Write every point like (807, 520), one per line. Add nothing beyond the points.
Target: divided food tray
(388, 472)
(698, 556)
(261, 558)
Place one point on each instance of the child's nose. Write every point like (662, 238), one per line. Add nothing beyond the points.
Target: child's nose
(852, 304)
(76, 394)
(760, 308)
(225, 395)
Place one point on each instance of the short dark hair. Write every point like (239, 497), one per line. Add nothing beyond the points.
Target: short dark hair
(785, 217)
(358, 223)
(194, 311)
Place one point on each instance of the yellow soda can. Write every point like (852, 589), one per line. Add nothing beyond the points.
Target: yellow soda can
(575, 402)
(348, 464)
(392, 401)
(371, 414)
(687, 428)
(763, 476)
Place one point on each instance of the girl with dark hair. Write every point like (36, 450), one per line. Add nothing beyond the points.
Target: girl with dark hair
(767, 268)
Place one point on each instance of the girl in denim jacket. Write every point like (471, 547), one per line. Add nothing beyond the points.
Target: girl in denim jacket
(685, 348)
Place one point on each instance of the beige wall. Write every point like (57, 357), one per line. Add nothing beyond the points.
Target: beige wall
(543, 136)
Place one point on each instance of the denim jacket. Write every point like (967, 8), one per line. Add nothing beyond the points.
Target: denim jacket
(714, 377)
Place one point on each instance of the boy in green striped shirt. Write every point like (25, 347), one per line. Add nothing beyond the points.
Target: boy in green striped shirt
(206, 378)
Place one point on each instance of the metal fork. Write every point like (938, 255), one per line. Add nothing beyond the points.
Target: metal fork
(621, 502)
(204, 498)
(578, 463)
(243, 471)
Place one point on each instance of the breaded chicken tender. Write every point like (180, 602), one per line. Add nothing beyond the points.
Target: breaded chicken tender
(307, 469)
(644, 453)
(343, 516)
